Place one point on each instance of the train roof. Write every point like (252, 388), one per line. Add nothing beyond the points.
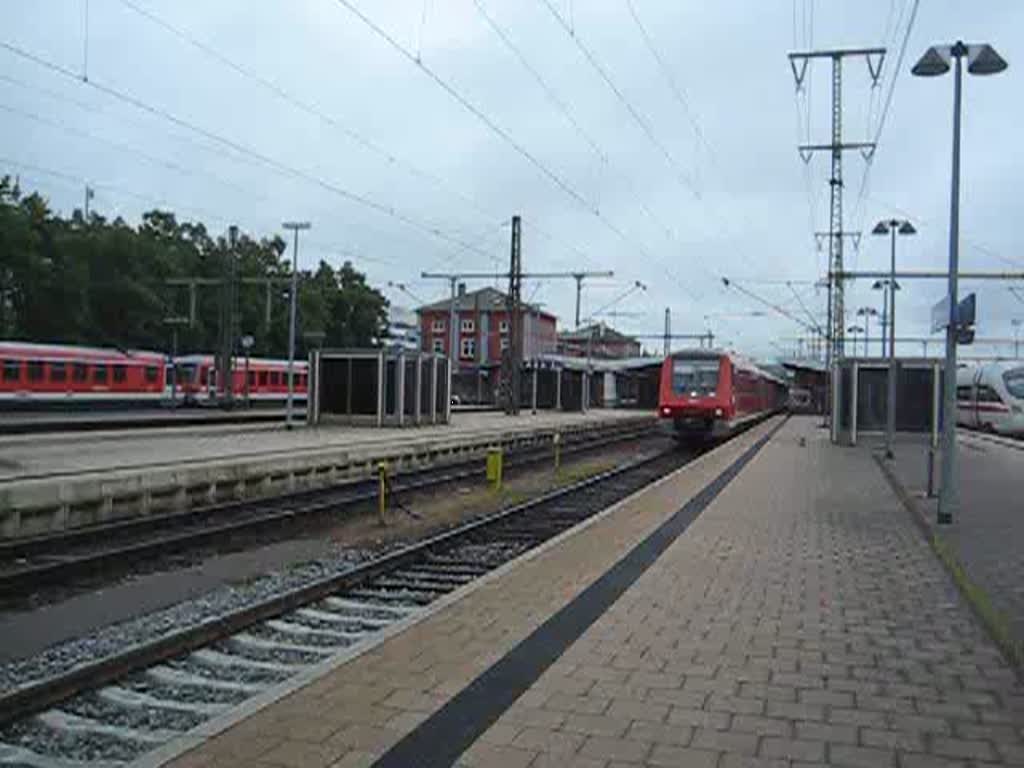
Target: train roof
(738, 361)
(73, 352)
(201, 359)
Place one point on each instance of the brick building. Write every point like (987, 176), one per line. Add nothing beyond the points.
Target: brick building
(603, 342)
(482, 325)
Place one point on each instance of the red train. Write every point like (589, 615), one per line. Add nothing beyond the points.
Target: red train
(55, 376)
(710, 394)
(265, 381)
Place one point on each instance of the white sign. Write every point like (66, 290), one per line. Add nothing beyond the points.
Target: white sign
(940, 315)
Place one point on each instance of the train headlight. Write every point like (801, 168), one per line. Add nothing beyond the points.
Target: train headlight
(718, 412)
(666, 411)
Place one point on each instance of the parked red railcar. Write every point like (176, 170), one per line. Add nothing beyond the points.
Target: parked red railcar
(711, 394)
(41, 376)
(264, 381)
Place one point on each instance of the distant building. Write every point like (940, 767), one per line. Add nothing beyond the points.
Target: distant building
(482, 325)
(403, 329)
(597, 341)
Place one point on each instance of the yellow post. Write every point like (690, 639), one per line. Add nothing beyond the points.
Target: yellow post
(382, 495)
(557, 442)
(494, 467)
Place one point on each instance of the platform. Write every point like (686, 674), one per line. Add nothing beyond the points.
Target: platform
(781, 612)
(988, 533)
(53, 482)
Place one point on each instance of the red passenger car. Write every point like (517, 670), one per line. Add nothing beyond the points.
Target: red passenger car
(40, 376)
(710, 394)
(264, 381)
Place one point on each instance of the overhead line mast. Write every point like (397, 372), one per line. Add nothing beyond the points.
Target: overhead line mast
(799, 61)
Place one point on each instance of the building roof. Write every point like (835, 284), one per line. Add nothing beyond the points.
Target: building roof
(485, 298)
(596, 331)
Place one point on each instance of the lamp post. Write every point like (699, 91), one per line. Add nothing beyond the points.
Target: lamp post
(867, 313)
(892, 227)
(293, 300)
(1016, 323)
(981, 60)
(883, 286)
(853, 330)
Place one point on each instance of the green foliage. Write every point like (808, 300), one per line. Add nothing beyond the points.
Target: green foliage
(103, 282)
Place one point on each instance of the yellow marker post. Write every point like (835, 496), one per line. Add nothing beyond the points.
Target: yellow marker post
(494, 467)
(556, 441)
(382, 495)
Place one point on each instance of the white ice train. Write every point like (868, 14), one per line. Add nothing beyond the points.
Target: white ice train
(991, 397)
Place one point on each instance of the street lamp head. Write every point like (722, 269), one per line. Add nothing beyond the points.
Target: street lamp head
(933, 63)
(881, 228)
(983, 60)
(296, 225)
(879, 285)
(906, 228)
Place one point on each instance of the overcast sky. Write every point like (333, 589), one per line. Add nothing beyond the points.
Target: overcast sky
(685, 178)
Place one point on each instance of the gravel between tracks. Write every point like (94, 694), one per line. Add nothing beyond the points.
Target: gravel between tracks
(229, 597)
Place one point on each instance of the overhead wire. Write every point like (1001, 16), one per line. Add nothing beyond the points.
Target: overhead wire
(679, 173)
(270, 162)
(206, 214)
(308, 107)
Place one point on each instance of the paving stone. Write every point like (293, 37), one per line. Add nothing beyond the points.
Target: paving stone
(597, 725)
(763, 726)
(699, 718)
(843, 734)
(793, 749)
(907, 740)
(973, 749)
(548, 741)
(584, 705)
(860, 757)
(609, 748)
(660, 733)
(638, 710)
(725, 741)
(677, 757)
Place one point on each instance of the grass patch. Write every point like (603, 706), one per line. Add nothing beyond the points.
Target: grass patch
(995, 621)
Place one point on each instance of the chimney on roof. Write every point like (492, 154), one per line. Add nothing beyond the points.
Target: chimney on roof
(462, 289)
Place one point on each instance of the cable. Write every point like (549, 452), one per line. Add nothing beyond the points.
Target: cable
(466, 104)
(680, 173)
(666, 72)
(204, 213)
(307, 107)
(236, 146)
(548, 91)
(774, 307)
(888, 102)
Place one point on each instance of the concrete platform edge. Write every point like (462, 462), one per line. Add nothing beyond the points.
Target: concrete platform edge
(198, 736)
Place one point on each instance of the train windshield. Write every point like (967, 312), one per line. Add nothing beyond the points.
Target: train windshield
(695, 376)
(1014, 380)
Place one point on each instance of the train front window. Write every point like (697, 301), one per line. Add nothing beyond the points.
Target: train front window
(695, 376)
(1014, 380)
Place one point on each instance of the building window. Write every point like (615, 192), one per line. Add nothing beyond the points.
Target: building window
(504, 344)
(439, 346)
(503, 327)
(437, 326)
(467, 326)
(467, 349)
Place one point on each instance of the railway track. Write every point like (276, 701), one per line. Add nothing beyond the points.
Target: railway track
(118, 708)
(28, 565)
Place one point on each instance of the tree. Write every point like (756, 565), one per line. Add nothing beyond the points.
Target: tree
(103, 282)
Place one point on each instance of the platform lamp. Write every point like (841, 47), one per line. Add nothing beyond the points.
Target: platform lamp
(293, 300)
(982, 59)
(853, 330)
(867, 313)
